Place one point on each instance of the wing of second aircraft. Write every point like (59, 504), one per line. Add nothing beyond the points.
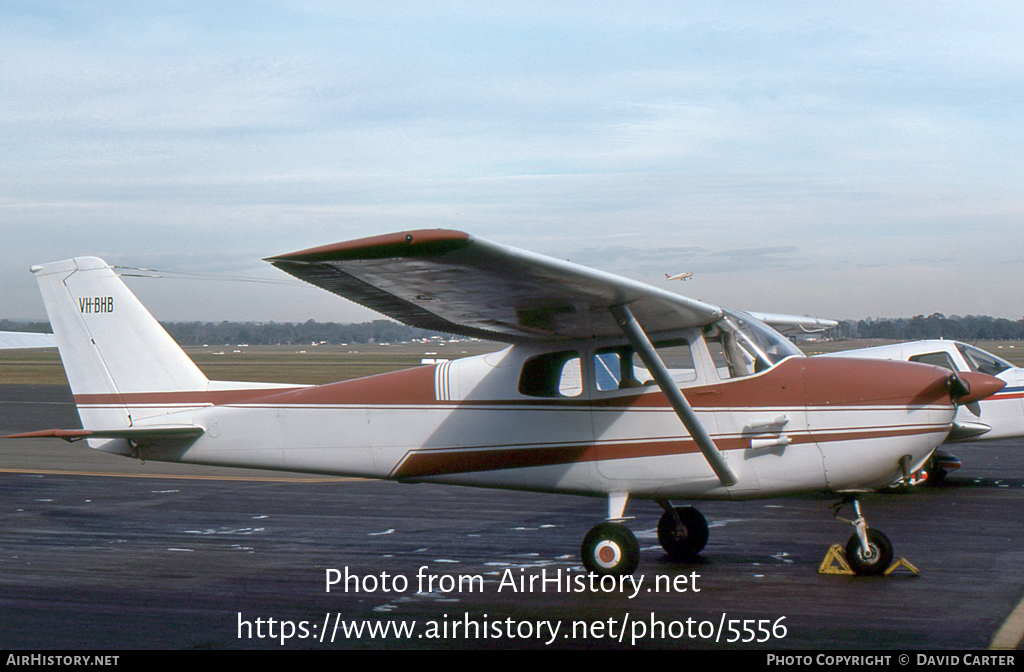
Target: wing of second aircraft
(789, 324)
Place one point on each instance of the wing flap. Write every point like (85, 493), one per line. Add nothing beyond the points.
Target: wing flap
(453, 282)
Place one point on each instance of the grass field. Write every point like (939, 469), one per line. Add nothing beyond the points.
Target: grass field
(308, 365)
(1011, 351)
(316, 365)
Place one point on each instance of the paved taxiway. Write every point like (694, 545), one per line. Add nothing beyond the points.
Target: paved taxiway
(98, 551)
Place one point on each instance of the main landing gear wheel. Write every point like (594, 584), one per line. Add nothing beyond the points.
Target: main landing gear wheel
(683, 535)
(880, 557)
(612, 549)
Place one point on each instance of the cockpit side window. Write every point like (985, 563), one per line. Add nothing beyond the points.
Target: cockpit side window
(935, 359)
(621, 368)
(716, 346)
(555, 374)
(609, 371)
(983, 362)
(741, 345)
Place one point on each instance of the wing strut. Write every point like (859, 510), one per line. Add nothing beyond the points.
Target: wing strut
(638, 339)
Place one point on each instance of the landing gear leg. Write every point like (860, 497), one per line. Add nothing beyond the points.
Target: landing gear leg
(868, 551)
(682, 531)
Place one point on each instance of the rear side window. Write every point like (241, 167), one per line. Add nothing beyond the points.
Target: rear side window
(555, 374)
(936, 359)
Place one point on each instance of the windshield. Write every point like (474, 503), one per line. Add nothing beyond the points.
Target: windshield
(747, 344)
(983, 362)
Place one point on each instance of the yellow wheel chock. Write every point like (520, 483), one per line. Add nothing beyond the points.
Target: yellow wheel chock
(902, 562)
(835, 563)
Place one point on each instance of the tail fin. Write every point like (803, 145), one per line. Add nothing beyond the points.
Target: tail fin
(111, 346)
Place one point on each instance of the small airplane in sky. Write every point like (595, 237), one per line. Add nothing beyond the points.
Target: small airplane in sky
(679, 276)
(609, 388)
(999, 416)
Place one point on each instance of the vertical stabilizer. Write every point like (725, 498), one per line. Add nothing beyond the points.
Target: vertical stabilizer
(111, 346)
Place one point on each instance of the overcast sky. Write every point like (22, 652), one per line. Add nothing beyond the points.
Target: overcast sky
(837, 159)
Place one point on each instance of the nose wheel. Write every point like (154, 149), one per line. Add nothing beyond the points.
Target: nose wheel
(875, 560)
(868, 551)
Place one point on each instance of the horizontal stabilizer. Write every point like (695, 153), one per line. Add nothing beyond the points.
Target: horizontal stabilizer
(143, 434)
(22, 340)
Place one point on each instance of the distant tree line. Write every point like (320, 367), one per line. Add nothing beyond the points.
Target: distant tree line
(36, 327)
(270, 333)
(286, 333)
(936, 325)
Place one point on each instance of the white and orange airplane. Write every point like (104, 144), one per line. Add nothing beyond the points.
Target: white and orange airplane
(609, 388)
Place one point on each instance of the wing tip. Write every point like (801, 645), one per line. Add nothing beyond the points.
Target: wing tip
(420, 242)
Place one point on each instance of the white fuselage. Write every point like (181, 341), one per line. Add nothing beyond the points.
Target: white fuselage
(581, 415)
(804, 425)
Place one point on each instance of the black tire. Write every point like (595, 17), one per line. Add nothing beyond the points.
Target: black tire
(935, 476)
(880, 560)
(687, 542)
(610, 549)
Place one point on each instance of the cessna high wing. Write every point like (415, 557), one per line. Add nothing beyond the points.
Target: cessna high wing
(609, 388)
(1000, 416)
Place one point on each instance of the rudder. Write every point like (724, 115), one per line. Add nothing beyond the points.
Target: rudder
(110, 345)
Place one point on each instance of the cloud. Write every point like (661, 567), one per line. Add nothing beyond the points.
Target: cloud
(762, 149)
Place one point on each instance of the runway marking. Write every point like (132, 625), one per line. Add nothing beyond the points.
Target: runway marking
(1011, 632)
(267, 479)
